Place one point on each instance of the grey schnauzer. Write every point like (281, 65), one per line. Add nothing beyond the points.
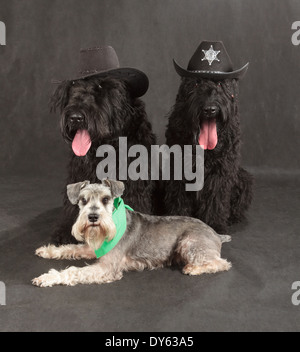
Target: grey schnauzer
(149, 242)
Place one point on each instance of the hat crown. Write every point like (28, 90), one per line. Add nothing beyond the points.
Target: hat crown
(97, 59)
(103, 62)
(210, 56)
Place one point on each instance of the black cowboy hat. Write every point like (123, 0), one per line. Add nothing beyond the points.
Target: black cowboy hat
(211, 61)
(103, 62)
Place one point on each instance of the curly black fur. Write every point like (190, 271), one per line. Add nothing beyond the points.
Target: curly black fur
(227, 191)
(109, 111)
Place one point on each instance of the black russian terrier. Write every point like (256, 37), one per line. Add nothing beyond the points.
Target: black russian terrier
(206, 114)
(97, 108)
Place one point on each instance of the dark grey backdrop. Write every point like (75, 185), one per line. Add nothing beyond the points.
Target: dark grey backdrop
(44, 37)
(43, 40)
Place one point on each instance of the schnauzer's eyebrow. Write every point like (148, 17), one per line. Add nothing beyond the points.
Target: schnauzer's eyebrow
(84, 193)
(101, 195)
(105, 196)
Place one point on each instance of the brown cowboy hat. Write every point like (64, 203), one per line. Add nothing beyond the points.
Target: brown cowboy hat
(103, 62)
(211, 61)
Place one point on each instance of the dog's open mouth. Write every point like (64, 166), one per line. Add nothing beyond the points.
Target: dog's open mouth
(81, 143)
(208, 138)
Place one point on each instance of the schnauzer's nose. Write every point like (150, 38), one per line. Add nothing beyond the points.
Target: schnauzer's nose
(76, 118)
(93, 217)
(211, 110)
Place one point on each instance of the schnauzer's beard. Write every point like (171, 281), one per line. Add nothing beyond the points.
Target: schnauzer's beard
(94, 234)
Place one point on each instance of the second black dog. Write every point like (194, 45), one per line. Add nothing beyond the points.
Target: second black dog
(206, 114)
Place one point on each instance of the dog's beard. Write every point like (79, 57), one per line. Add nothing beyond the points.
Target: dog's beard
(207, 131)
(104, 119)
(77, 132)
(95, 234)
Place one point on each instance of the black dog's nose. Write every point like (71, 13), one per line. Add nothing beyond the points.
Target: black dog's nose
(93, 217)
(77, 117)
(211, 110)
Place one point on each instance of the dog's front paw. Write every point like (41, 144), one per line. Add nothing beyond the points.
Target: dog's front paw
(47, 280)
(45, 251)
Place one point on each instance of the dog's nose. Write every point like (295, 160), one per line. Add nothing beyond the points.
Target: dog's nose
(77, 117)
(93, 217)
(211, 110)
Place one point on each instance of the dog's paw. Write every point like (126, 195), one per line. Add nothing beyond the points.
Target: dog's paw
(47, 280)
(210, 267)
(45, 252)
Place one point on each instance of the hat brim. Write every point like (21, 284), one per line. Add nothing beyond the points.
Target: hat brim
(212, 75)
(137, 80)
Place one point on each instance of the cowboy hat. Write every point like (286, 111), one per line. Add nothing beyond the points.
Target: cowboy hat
(103, 62)
(211, 61)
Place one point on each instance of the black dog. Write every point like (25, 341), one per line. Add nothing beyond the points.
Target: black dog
(97, 109)
(206, 113)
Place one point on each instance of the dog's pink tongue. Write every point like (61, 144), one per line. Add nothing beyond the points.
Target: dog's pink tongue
(81, 143)
(208, 138)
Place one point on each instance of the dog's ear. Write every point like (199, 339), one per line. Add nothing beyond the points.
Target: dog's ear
(74, 189)
(116, 187)
(60, 97)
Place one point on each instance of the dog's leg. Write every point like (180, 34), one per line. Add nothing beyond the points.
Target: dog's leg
(177, 201)
(201, 253)
(70, 251)
(241, 196)
(92, 274)
(214, 203)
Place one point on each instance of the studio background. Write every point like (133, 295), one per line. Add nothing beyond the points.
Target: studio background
(43, 42)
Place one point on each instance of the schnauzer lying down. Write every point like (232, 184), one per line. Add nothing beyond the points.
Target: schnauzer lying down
(149, 242)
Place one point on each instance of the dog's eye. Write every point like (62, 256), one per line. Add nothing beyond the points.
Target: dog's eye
(105, 200)
(83, 201)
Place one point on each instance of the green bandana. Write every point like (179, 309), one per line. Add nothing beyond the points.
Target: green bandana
(119, 218)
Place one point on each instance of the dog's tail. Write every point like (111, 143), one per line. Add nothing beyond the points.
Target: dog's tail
(225, 238)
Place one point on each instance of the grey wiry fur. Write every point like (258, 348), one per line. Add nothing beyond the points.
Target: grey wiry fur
(149, 242)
